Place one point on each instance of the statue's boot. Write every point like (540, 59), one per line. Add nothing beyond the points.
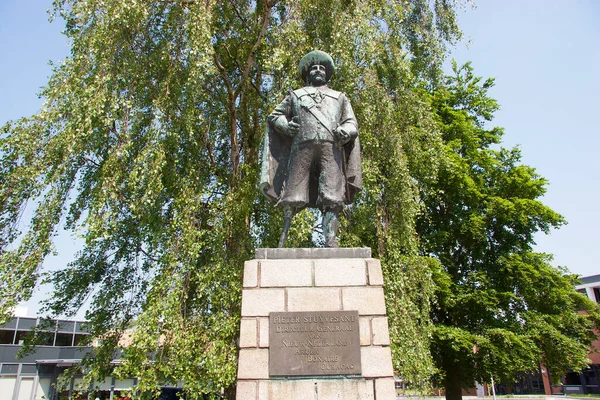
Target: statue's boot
(288, 214)
(330, 227)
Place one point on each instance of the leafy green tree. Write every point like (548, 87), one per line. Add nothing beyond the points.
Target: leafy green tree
(500, 308)
(148, 147)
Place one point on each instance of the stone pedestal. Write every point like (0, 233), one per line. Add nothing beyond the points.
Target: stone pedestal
(314, 280)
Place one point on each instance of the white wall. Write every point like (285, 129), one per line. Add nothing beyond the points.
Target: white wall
(7, 386)
(26, 388)
(43, 388)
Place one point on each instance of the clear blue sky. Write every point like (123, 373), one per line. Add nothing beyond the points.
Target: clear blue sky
(544, 54)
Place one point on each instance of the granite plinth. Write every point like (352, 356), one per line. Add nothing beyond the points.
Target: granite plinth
(312, 253)
(314, 283)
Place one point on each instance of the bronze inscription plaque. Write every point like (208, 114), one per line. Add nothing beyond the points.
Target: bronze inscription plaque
(314, 343)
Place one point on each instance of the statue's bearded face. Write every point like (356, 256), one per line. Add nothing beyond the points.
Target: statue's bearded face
(317, 75)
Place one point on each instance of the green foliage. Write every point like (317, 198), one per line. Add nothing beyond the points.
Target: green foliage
(147, 147)
(500, 308)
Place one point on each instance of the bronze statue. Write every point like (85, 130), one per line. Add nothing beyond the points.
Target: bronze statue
(311, 153)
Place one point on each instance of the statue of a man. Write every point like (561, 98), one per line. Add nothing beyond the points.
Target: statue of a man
(311, 153)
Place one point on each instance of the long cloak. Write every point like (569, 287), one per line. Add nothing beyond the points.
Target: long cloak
(275, 157)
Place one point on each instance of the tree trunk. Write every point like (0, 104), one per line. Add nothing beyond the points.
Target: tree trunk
(452, 382)
(230, 392)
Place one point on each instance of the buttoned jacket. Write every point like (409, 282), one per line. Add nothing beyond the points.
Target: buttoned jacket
(334, 111)
(320, 112)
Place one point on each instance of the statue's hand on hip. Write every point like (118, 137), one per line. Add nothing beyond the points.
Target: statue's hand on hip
(342, 136)
(293, 127)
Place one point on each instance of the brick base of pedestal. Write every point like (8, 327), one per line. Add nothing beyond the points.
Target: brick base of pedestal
(282, 280)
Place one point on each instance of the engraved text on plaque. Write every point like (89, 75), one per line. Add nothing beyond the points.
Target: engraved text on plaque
(314, 343)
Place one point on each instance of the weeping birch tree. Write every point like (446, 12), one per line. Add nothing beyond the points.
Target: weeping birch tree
(147, 146)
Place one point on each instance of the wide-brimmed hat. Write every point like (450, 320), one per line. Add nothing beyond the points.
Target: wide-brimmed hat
(313, 58)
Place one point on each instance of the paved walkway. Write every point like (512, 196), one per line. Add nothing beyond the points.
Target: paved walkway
(502, 397)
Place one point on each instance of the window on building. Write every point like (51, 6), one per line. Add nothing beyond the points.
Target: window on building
(65, 326)
(45, 339)
(7, 336)
(572, 378)
(47, 324)
(64, 339)
(21, 335)
(81, 327)
(590, 376)
(82, 340)
(9, 369)
(28, 369)
(12, 324)
(597, 295)
(26, 324)
(46, 369)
